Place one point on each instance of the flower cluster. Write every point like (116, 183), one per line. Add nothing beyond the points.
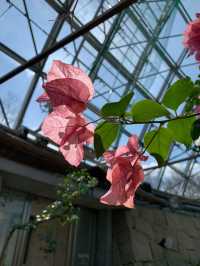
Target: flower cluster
(68, 89)
(124, 173)
(192, 37)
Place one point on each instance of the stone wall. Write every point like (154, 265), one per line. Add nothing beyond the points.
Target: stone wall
(48, 245)
(153, 236)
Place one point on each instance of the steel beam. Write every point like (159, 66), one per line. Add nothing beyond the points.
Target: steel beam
(158, 47)
(147, 50)
(74, 35)
(18, 58)
(49, 42)
(100, 57)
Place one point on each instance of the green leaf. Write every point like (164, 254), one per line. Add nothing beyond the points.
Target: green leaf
(178, 93)
(189, 105)
(117, 108)
(105, 134)
(181, 130)
(160, 145)
(195, 131)
(147, 110)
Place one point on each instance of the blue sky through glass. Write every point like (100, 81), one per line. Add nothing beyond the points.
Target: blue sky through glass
(138, 54)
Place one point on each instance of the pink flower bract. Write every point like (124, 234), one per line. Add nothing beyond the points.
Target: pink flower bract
(124, 173)
(70, 133)
(192, 37)
(67, 86)
(197, 110)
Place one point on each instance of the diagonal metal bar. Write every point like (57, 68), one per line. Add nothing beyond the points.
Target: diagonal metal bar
(13, 5)
(98, 46)
(49, 42)
(82, 42)
(111, 59)
(5, 11)
(157, 45)
(18, 58)
(83, 30)
(100, 57)
(147, 51)
(195, 156)
(30, 27)
(4, 113)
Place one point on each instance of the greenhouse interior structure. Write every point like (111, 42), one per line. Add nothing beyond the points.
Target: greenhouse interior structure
(99, 132)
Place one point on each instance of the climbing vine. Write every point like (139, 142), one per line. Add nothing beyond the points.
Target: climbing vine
(76, 183)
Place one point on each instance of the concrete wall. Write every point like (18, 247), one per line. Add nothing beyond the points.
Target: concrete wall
(39, 242)
(85, 243)
(145, 236)
(153, 236)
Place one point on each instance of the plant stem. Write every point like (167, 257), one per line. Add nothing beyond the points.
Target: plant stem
(5, 246)
(129, 122)
(151, 140)
(153, 137)
(12, 231)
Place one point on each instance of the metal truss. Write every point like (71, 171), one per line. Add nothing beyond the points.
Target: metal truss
(124, 42)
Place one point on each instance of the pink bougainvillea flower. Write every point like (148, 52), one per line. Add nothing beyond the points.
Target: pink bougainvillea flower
(119, 174)
(133, 184)
(70, 133)
(67, 86)
(125, 179)
(197, 110)
(192, 37)
(111, 156)
(133, 147)
(124, 173)
(129, 151)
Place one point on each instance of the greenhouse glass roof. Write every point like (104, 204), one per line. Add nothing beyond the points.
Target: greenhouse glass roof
(140, 49)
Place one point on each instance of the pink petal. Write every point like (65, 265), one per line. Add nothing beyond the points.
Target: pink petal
(122, 169)
(63, 111)
(87, 132)
(77, 133)
(109, 156)
(122, 150)
(89, 136)
(76, 130)
(115, 195)
(71, 77)
(90, 140)
(197, 56)
(129, 203)
(138, 175)
(53, 127)
(73, 153)
(197, 109)
(118, 178)
(90, 127)
(136, 180)
(192, 37)
(125, 174)
(43, 98)
(133, 144)
(58, 97)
